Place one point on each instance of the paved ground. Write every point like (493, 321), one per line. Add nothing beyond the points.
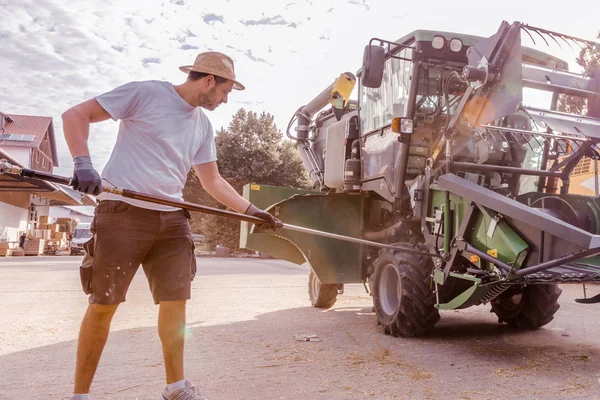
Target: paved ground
(243, 319)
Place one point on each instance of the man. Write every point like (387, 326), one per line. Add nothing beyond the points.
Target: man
(163, 132)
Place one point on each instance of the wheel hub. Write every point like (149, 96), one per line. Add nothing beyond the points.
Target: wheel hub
(314, 285)
(389, 289)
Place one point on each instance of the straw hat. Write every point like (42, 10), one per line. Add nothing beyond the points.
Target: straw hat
(214, 63)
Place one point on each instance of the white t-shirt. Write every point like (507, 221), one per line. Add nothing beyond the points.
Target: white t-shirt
(160, 137)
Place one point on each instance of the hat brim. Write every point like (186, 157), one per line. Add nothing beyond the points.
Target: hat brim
(189, 68)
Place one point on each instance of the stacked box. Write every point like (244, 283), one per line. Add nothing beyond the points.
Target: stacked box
(34, 247)
(10, 249)
(42, 234)
(5, 249)
(59, 235)
(64, 224)
(50, 227)
(44, 219)
(54, 227)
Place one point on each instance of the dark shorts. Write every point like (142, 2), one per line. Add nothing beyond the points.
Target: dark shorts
(126, 236)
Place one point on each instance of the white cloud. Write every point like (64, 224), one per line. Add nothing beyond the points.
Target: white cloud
(56, 53)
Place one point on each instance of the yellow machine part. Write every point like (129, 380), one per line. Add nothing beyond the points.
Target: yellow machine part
(342, 88)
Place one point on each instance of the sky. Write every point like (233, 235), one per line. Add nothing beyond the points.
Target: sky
(57, 53)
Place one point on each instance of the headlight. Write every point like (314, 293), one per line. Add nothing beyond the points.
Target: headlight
(402, 125)
(551, 64)
(438, 42)
(456, 45)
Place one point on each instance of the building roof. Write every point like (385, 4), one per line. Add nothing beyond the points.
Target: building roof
(86, 199)
(58, 194)
(86, 211)
(29, 125)
(6, 117)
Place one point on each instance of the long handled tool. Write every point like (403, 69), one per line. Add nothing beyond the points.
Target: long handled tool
(7, 168)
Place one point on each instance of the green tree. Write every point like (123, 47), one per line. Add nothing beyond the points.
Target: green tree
(589, 61)
(250, 150)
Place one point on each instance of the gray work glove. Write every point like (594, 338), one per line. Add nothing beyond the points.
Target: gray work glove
(85, 178)
(270, 221)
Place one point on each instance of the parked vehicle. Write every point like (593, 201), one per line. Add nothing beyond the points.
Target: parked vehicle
(81, 234)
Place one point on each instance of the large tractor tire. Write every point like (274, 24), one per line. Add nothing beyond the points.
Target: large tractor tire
(531, 308)
(321, 295)
(403, 295)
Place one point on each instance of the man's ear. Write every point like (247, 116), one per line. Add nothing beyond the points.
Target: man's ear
(211, 82)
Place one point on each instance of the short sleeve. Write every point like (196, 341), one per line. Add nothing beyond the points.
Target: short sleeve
(122, 101)
(207, 152)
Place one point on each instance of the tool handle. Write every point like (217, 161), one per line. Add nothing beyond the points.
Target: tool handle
(45, 176)
(6, 167)
(188, 206)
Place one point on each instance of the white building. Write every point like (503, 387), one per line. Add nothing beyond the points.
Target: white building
(29, 142)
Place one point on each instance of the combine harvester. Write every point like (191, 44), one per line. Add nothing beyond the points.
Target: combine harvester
(464, 187)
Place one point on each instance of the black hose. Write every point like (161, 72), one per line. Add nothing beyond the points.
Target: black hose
(452, 75)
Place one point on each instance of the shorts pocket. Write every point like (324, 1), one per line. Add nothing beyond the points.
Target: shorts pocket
(86, 268)
(193, 265)
(85, 274)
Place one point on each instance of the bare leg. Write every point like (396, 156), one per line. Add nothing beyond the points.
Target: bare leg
(171, 329)
(92, 338)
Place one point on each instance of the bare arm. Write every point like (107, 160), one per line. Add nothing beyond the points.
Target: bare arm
(219, 188)
(76, 125)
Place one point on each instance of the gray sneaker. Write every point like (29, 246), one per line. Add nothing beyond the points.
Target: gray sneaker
(188, 393)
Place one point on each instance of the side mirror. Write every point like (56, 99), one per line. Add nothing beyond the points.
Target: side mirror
(372, 67)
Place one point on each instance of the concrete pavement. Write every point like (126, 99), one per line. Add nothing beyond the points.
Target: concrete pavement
(242, 324)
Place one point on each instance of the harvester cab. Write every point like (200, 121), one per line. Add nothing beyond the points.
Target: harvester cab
(441, 154)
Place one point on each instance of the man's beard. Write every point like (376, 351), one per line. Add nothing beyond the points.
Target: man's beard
(206, 100)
